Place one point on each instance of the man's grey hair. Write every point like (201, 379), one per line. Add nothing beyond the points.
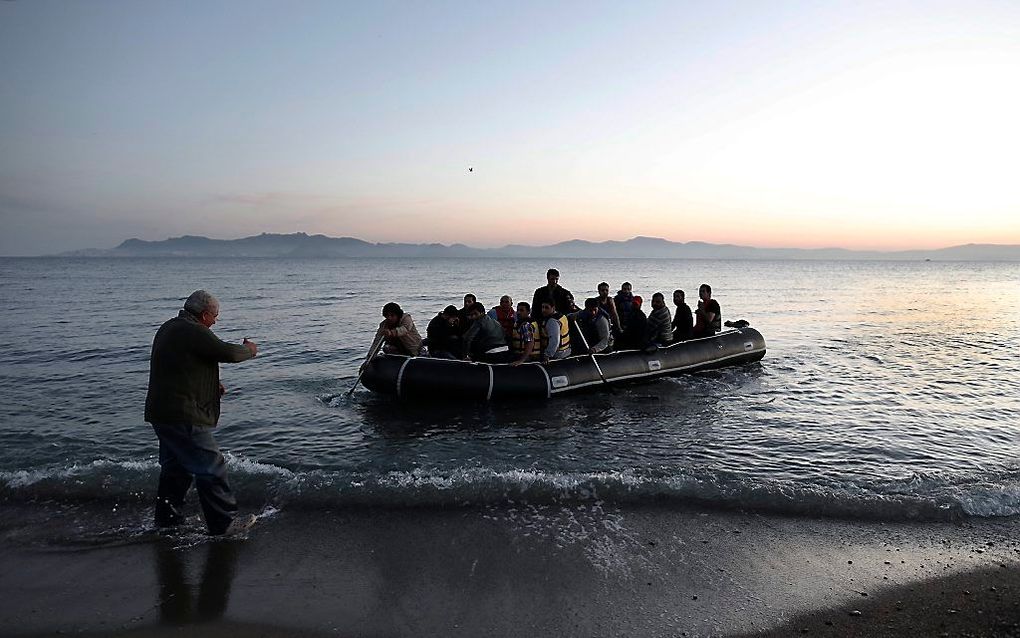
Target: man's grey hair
(199, 302)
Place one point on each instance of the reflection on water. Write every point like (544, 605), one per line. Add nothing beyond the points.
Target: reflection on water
(182, 600)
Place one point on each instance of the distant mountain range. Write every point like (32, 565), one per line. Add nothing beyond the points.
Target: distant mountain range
(302, 245)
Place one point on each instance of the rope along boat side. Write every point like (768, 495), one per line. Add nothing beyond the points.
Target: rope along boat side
(417, 378)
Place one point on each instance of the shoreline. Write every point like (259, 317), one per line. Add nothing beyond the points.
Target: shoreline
(515, 569)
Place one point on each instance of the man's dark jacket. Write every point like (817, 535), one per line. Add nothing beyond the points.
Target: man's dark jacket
(482, 335)
(184, 372)
(443, 337)
(559, 297)
(683, 323)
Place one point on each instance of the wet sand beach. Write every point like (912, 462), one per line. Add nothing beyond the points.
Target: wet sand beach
(585, 569)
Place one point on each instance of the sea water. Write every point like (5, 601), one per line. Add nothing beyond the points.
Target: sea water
(890, 390)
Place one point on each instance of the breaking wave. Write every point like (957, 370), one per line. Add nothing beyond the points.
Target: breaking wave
(916, 498)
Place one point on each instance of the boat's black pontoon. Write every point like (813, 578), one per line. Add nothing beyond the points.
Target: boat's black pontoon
(442, 379)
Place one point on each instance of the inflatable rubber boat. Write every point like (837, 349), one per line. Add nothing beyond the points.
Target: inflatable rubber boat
(442, 379)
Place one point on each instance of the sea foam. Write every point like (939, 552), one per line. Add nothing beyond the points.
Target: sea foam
(263, 483)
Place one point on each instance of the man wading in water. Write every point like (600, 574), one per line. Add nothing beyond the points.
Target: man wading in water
(183, 406)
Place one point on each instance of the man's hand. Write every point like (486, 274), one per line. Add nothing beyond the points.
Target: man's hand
(223, 390)
(253, 347)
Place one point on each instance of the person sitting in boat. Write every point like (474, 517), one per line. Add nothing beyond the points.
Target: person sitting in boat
(524, 342)
(708, 315)
(505, 315)
(554, 333)
(443, 334)
(608, 305)
(660, 323)
(398, 332)
(635, 331)
(552, 291)
(572, 308)
(624, 302)
(575, 330)
(469, 300)
(593, 322)
(484, 339)
(683, 320)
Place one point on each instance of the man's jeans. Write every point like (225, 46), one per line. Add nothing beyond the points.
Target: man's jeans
(187, 451)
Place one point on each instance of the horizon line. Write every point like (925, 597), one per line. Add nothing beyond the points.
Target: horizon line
(537, 246)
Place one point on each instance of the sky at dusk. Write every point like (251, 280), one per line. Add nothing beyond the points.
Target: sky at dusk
(797, 124)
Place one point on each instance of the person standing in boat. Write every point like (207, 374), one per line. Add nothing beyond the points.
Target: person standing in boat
(554, 333)
(593, 322)
(660, 323)
(683, 320)
(399, 334)
(484, 339)
(443, 334)
(505, 315)
(552, 291)
(524, 343)
(708, 314)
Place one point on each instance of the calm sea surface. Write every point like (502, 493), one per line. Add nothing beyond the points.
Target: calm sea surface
(889, 390)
